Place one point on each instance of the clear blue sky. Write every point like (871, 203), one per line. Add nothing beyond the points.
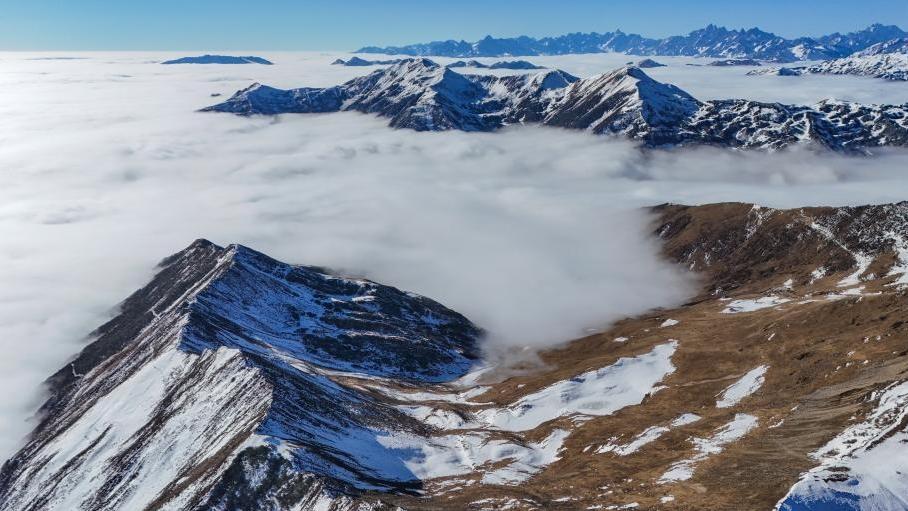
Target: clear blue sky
(348, 24)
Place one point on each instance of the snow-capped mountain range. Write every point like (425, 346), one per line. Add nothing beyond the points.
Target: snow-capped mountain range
(422, 95)
(504, 64)
(887, 60)
(711, 41)
(233, 381)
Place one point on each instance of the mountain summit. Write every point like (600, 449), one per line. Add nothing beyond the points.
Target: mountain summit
(224, 363)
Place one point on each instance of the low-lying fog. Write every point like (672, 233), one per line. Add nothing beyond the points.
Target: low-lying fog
(535, 234)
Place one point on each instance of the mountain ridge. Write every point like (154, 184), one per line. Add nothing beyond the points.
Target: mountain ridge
(422, 95)
(710, 41)
(262, 337)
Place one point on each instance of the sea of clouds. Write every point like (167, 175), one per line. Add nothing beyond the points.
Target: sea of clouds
(535, 234)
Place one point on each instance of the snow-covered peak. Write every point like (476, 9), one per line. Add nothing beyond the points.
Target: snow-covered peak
(624, 80)
(625, 100)
(552, 79)
(303, 314)
(414, 66)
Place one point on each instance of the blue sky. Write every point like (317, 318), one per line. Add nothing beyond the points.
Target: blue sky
(343, 25)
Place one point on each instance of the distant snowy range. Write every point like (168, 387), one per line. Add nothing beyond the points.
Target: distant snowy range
(533, 230)
(711, 41)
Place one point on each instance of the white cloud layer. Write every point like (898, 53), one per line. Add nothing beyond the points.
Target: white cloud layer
(533, 233)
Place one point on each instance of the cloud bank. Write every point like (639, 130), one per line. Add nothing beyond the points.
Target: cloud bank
(535, 234)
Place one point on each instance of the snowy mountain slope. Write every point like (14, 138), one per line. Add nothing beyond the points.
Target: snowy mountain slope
(887, 60)
(625, 101)
(525, 98)
(896, 45)
(422, 95)
(863, 467)
(710, 41)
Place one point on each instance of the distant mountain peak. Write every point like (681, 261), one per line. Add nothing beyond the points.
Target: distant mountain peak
(219, 59)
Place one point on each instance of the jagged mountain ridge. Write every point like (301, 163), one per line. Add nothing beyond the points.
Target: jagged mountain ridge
(710, 41)
(422, 95)
(227, 353)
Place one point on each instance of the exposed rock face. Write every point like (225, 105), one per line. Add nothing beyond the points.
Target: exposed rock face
(422, 95)
(710, 41)
(233, 381)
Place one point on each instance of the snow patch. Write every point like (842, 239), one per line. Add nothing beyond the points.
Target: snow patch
(454, 455)
(751, 305)
(705, 447)
(648, 435)
(747, 385)
(594, 393)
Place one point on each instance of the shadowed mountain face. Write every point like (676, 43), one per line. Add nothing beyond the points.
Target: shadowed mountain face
(228, 351)
(422, 95)
(710, 41)
(234, 381)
